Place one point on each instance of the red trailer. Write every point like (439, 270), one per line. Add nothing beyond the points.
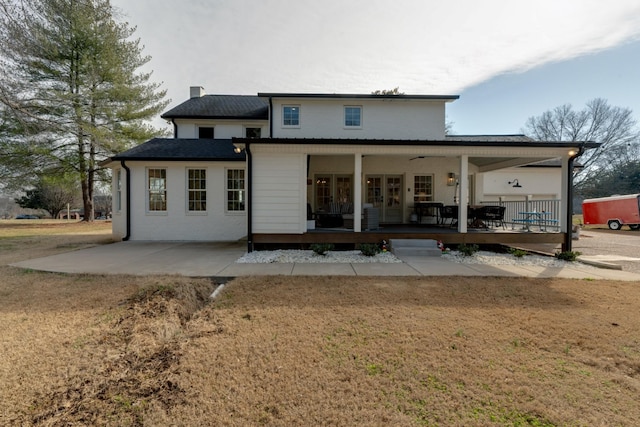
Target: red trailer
(615, 211)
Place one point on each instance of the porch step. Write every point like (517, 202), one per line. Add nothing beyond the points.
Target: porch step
(416, 247)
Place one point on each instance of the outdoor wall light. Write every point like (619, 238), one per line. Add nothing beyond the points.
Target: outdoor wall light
(237, 150)
(515, 183)
(451, 178)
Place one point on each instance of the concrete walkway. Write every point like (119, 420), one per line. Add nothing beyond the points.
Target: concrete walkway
(218, 259)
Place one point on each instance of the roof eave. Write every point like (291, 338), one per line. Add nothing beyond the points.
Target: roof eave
(553, 144)
(356, 96)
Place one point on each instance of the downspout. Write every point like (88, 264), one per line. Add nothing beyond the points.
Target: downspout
(270, 117)
(568, 237)
(128, 199)
(175, 128)
(249, 198)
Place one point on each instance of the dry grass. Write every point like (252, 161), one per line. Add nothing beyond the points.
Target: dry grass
(119, 350)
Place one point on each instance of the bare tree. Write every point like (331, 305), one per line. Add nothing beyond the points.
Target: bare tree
(613, 127)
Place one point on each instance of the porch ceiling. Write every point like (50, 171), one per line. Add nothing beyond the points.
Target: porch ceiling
(487, 164)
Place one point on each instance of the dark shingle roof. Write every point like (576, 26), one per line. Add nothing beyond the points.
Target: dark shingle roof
(221, 107)
(175, 149)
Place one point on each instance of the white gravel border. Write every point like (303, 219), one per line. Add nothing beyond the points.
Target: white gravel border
(308, 256)
(493, 258)
(356, 257)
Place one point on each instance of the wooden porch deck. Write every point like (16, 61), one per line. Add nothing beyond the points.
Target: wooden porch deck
(388, 232)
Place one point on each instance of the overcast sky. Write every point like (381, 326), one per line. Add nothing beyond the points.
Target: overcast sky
(508, 60)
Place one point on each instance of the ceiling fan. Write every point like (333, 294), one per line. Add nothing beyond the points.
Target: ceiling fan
(418, 157)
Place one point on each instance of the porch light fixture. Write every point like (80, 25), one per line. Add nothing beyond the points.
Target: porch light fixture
(237, 150)
(451, 179)
(515, 183)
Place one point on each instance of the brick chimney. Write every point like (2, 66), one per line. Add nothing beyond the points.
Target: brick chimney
(196, 91)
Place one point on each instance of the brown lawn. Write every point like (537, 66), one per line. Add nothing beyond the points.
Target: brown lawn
(282, 351)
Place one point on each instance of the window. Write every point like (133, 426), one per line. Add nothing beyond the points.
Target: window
(197, 189)
(205, 132)
(252, 132)
(235, 190)
(157, 190)
(423, 188)
(353, 117)
(334, 189)
(118, 190)
(291, 116)
(323, 191)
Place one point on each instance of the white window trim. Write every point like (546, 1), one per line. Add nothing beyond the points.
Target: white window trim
(299, 116)
(187, 191)
(226, 193)
(344, 117)
(146, 192)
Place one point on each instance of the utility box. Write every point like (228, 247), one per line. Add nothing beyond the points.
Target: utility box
(615, 211)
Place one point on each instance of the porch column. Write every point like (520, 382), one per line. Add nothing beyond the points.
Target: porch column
(464, 193)
(564, 197)
(357, 192)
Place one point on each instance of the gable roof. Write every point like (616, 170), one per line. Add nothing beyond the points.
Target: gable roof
(179, 149)
(244, 107)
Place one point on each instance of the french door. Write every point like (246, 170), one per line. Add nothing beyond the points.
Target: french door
(385, 193)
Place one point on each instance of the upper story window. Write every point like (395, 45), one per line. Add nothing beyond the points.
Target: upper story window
(205, 132)
(291, 115)
(252, 132)
(353, 116)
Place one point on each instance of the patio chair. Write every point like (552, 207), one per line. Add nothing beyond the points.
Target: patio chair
(449, 213)
(493, 215)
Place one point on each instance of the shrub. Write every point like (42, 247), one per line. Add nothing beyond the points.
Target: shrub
(468, 250)
(518, 253)
(322, 248)
(568, 255)
(369, 249)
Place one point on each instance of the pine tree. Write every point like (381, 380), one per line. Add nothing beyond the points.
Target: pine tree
(71, 89)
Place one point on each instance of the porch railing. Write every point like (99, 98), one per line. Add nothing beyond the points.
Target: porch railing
(513, 207)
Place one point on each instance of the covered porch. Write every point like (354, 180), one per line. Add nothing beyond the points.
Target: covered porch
(342, 177)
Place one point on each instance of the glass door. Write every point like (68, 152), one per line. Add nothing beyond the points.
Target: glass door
(385, 193)
(393, 199)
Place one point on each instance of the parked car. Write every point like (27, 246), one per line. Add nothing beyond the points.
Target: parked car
(25, 216)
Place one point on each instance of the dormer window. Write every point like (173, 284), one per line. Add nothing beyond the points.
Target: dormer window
(291, 116)
(353, 116)
(205, 132)
(252, 132)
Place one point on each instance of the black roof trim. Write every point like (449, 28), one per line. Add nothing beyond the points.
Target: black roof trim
(356, 95)
(179, 149)
(446, 142)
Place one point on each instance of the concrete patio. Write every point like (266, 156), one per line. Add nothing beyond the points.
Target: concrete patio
(195, 259)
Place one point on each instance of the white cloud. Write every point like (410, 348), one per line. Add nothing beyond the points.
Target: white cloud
(243, 46)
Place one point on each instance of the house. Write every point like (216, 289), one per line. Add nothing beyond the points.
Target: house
(271, 167)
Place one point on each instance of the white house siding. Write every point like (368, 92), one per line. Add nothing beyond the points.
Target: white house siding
(216, 224)
(540, 183)
(278, 193)
(222, 129)
(118, 216)
(381, 119)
